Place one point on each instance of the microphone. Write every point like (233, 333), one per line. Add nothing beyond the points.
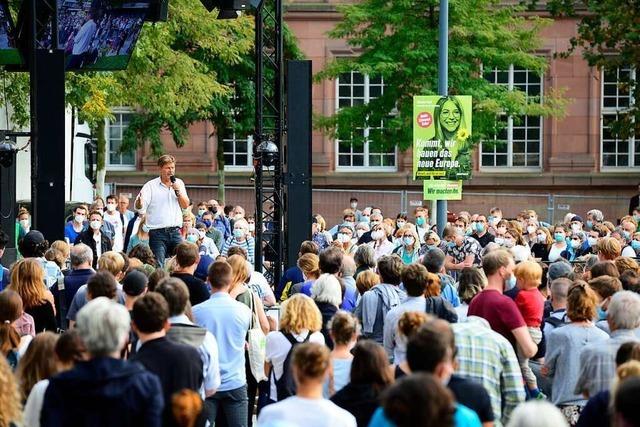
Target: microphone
(172, 178)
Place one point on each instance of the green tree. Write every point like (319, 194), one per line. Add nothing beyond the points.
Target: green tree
(398, 40)
(608, 37)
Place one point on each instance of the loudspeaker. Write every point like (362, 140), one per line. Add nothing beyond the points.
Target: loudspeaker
(298, 158)
(48, 146)
(158, 11)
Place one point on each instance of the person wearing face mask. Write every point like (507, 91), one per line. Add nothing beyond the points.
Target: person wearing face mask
(624, 237)
(77, 225)
(112, 216)
(375, 219)
(353, 205)
(202, 208)
(594, 234)
(635, 244)
(495, 216)
(252, 225)
(345, 239)
(319, 235)
(242, 238)
(575, 248)
(94, 238)
(559, 242)
(140, 237)
(422, 222)
(462, 251)
(380, 242)
(348, 217)
(499, 310)
(211, 231)
(542, 245)
(23, 224)
(409, 249)
(362, 228)
(594, 217)
(481, 231)
(219, 220)
(576, 224)
(401, 221)
(206, 244)
(605, 288)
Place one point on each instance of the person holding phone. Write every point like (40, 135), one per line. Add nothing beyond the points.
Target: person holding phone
(162, 200)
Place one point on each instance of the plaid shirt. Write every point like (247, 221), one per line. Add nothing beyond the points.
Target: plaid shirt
(598, 362)
(488, 358)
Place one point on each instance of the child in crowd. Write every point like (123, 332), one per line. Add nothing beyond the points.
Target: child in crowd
(530, 303)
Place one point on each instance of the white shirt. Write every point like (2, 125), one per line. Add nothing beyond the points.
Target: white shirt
(298, 411)
(118, 228)
(554, 252)
(33, 407)
(278, 347)
(258, 284)
(98, 239)
(84, 36)
(160, 204)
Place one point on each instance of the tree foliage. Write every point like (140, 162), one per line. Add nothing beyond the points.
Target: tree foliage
(398, 40)
(608, 37)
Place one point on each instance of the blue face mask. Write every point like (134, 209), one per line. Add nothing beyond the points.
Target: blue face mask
(635, 244)
(602, 314)
(207, 222)
(451, 244)
(510, 283)
(420, 221)
(626, 235)
(559, 237)
(365, 219)
(192, 238)
(480, 227)
(407, 240)
(589, 223)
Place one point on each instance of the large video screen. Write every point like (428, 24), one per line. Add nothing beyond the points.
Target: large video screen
(99, 34)
(9, 53)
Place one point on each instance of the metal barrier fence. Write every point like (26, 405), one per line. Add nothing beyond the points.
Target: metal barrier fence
(330, 202)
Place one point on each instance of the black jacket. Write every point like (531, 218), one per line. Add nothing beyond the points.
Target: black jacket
(86, 237)
(361, 400)
(327, 310)
(103, 392)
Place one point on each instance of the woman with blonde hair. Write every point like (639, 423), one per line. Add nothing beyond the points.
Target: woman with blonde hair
(58, 253)
(38, 362)
(300, 321)
(12, 344)
(380, 240)
(320, 235)
(366, 280)
(542, 245)
(241, 292)
(188, 222)
(10, 406)
(141, 236)
(409, 249)
(27, 279)
(309, 264)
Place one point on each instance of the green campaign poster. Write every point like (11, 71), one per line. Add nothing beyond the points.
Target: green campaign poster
(442, 137)
(442, 189)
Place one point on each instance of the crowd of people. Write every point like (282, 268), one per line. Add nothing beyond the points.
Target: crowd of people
(136, 320)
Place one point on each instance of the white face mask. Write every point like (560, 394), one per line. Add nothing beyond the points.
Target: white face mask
(374, 223)
(95, 224)
(252, 227)
(400, 224)
(354, 205)
(343, 238)
(592, 241)
(508, 243)
(531, 229)
(542, 238)
(111, 207)
(24, 223)
(377, 235)
(79, 218)
(576, 227)
(575, 244)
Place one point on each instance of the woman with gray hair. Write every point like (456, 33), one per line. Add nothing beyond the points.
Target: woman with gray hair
(103, 390)
(327, 294)
(365, 259)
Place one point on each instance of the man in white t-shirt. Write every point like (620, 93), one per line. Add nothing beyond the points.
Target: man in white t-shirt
(112, 216)
(82, 41)
(310, 364)
(162, 200)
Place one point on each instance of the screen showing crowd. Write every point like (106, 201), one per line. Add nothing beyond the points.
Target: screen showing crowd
(99, 35)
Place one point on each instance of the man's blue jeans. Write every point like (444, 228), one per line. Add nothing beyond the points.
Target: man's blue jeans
(163, 242)
(231, 405)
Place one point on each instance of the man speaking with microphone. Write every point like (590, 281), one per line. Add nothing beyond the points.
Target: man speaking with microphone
(162, 200)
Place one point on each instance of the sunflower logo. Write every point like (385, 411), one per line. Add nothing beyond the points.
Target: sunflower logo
(462, 134)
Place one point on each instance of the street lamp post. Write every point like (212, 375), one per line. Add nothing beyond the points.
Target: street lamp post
(443, 83)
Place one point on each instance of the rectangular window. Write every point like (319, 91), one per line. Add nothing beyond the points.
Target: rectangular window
(519, 143)
(115, 130)
(237, 151)
(353, 89)
(617, 97)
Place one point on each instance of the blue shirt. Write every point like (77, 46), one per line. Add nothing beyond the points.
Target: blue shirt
(463, 417)
(70, 233)
(223, 224)
(229, 321)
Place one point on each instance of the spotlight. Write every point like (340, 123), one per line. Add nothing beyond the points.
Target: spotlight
(227, 9)
(268, 152)
(7, 153)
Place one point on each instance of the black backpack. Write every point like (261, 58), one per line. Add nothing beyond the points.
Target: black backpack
(441, 309)
(285, 385)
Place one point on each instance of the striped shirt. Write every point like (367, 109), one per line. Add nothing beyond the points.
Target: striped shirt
(488, 358)
(248, 244)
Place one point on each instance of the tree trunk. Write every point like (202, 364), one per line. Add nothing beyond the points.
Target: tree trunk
(220, 160)
(97, 130)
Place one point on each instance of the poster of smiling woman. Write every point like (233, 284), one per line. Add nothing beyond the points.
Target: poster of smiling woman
(442, 138)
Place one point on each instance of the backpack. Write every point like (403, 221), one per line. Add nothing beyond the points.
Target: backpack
(285, 385)
(438, 307)
(555, 322)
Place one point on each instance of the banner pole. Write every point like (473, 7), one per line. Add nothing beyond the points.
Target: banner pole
(443, 83)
